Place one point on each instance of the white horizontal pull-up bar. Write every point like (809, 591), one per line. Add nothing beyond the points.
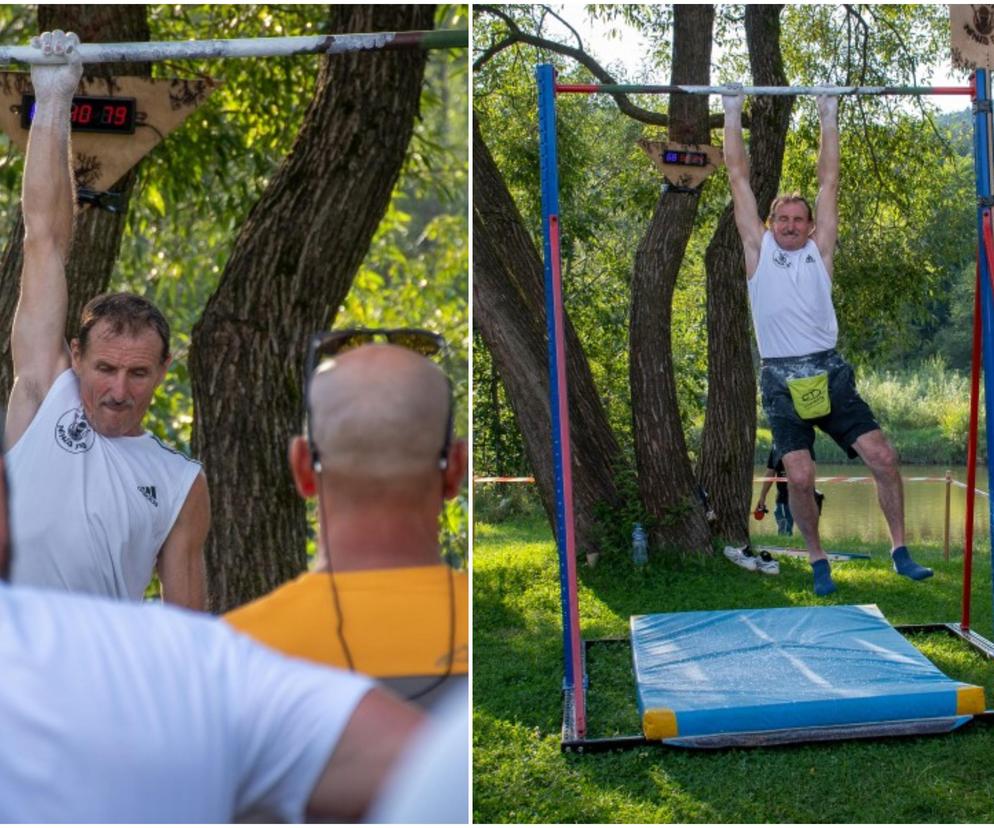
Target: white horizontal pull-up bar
(250, 47)
(650, 89)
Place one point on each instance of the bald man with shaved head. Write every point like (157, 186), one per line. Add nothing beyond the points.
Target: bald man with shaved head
(381, 462)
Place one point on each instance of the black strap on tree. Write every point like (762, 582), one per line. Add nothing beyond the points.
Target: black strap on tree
(670, 187)
(111, 202)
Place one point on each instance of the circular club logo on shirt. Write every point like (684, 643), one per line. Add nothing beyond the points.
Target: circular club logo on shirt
(73, 432)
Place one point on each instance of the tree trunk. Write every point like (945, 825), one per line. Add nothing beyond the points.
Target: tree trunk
(292, 265)
(97, 233)
(509, 313)
(730, 422)
(666, 479)
(496, 431)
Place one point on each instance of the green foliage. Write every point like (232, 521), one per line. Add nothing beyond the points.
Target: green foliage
(497, 502)
(520, 775)
(18, 24)
(498, 448)
(613, 529)
(454, 532)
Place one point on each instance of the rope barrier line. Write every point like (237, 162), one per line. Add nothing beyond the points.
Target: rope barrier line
(964, 486)
(503, 479)
(836, 479)
(868, 479)
(248, 47)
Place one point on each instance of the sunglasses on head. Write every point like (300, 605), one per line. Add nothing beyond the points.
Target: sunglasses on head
(329, 344)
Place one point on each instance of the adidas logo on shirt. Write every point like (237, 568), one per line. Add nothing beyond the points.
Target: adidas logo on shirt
(810, 259)
(149, 492)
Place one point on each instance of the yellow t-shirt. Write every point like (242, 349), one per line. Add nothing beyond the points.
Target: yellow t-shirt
(397, 621)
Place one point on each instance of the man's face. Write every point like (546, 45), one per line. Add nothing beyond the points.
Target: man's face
(117, 376)
(791, 225)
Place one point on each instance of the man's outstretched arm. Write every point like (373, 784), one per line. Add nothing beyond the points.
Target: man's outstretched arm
(747, 220)
(827, 205)
(38, 332)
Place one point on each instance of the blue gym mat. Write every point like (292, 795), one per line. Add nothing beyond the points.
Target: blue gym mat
(769, 676)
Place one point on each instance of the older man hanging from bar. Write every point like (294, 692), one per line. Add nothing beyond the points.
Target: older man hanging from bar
(98, 501)
(804, 381)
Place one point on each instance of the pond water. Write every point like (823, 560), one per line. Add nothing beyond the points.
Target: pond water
(851, 511)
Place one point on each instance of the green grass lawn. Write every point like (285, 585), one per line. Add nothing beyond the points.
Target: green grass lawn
(520, 775)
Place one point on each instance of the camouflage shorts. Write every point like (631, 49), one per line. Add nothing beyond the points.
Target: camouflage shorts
(848, 420)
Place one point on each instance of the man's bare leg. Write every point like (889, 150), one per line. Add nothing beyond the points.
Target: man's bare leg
(801, 491)
(882, 461)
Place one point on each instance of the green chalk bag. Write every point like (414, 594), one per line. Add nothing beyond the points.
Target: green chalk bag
(810, 396)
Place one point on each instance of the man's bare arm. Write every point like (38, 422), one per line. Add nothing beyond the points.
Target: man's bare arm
(827, 205)
(376, 735)
(38, 332)
(747, 220)
(181, 559)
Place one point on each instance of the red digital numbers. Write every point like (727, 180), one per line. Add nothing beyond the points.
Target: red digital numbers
(110, 115)
(114, 115)
(91, 114)
(81, 114)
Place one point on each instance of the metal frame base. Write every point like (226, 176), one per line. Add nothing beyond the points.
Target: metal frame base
(572, 743)
(974, 639)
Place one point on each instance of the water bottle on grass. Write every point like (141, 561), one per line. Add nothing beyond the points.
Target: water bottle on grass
(640, 546)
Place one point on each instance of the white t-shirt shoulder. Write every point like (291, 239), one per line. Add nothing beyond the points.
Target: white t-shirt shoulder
(791, 299)
(90, 513)
(142, 713)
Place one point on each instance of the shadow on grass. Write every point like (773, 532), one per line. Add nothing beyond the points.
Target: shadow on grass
(880, 781)
(517, 629)
(521, 777)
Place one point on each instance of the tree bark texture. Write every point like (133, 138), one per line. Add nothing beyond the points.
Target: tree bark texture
(97, 233)
(292, 265)
(730, 422)
(509, 313)
(666, 480)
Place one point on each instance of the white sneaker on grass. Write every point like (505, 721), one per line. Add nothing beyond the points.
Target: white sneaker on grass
(766, 564)
(743, 557)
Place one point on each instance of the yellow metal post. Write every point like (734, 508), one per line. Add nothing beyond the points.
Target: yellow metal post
(949, 486)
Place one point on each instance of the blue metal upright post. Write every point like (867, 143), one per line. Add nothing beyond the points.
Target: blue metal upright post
(984, 174)
(573, 684)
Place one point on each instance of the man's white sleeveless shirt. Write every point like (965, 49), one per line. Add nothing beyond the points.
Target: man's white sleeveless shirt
(791, 298)
(90, 513)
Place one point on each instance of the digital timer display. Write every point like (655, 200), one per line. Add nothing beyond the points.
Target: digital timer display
(685, 159)
(91, 114)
